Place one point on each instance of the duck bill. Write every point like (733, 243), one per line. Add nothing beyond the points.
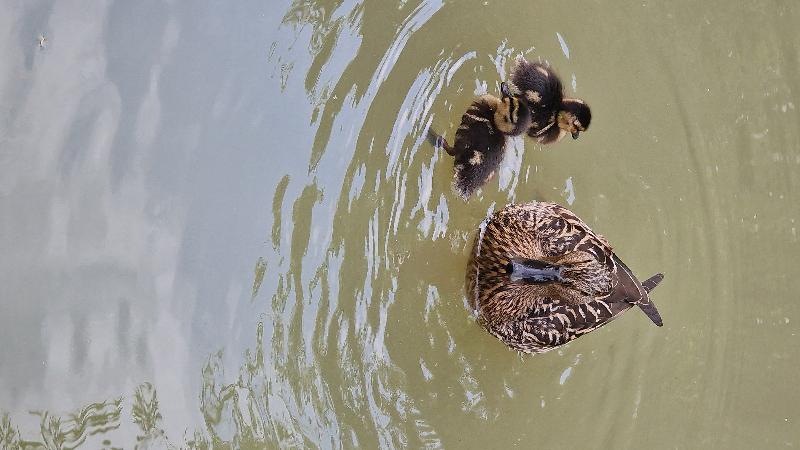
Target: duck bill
(575, 134)
(534, 271)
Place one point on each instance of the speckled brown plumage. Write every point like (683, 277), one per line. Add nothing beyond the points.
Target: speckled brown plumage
(533, 318)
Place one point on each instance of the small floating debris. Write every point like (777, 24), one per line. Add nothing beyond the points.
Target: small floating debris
(42, 41)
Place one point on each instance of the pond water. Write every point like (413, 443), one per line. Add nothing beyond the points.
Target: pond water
(221, 226)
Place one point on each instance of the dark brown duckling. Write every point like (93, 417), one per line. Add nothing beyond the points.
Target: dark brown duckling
(553, 115)
(539, 277)
(479, 145)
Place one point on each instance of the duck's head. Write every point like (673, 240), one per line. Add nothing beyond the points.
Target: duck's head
(574, 117)
(512, 116)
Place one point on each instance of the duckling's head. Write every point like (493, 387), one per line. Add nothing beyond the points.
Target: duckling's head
(512, 116)
(574, 116)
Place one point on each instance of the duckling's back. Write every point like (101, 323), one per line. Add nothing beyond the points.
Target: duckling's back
(537, 83)
(478, 147)
(541, 88)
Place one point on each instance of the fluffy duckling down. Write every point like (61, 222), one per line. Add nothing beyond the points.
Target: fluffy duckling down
(553, 115)
(480, 140)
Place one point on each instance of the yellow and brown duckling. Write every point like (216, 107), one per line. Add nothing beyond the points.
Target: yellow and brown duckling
(539, 277)
(553, 115)
(480, 140)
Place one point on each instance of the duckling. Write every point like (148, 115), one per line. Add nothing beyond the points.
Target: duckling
(553, 116)
(480, 139)
(539, 277)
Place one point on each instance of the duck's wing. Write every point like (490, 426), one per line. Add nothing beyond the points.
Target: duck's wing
(552, 325)
(628, 289)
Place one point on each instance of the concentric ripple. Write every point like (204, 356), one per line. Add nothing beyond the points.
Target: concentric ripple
(223, 227)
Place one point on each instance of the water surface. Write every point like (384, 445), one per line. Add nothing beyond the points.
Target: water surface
(221, 224)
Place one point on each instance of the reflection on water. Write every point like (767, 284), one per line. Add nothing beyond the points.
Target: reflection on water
(227, 223)
(69, 431)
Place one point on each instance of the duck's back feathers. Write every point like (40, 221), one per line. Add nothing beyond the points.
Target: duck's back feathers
(536, 317)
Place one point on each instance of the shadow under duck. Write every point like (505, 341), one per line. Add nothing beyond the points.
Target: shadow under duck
(553, 115)
(539, 277)
(479, 145)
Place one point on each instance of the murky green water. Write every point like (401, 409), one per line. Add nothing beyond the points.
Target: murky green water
(220, 224)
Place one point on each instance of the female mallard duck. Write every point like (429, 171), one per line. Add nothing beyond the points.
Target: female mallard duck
(481, 138)
(539, 277)
(553, 116)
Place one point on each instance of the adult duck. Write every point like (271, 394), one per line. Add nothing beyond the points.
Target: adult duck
(539, 277)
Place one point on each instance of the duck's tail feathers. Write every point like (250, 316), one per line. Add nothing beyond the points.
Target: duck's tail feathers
(651, 283)
(646, 305)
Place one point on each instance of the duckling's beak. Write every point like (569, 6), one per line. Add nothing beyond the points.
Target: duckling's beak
(575, 134)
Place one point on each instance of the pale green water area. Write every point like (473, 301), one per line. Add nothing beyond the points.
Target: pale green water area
(221, 225)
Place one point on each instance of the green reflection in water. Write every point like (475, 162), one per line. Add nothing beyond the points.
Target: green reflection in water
(146, 416)
(452, 381)
(260, 270)
(9, 436)
(277, 203)
(64, 432)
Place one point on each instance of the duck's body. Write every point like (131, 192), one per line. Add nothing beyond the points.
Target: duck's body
(539, 277)
(553, 115)
(480, 140)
